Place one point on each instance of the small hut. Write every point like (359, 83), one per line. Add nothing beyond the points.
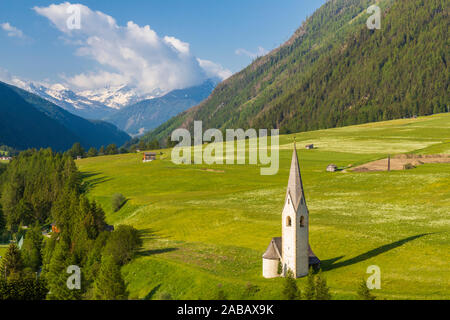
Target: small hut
(332, 168)
(149, 156)
(309, 147)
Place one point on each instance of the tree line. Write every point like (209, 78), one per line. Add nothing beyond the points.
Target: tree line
(40, 189)
(130, 147)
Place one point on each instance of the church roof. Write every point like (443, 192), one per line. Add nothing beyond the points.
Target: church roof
(273, 251)
(295, 185)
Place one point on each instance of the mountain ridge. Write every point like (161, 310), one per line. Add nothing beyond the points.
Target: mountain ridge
(334, 71)
(69, 128)
(150, 113)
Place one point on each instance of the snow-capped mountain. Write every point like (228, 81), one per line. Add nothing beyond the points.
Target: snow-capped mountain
(70, 101)
(148, 114)
(117, 97)
(89, 104)
(122, 105)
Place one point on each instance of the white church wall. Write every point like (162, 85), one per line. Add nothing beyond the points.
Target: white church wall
(289, 238)
(270, 268)
(302, 240)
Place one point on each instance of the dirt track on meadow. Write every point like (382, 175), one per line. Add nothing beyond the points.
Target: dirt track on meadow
(400, 161)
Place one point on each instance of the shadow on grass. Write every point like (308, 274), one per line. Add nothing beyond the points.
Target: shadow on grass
(331, 264)
(122, 205)
(148, 235)
(151, 252)
(150, 295)
(90, 184)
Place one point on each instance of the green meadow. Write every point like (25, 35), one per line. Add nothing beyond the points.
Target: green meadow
(3, 249)
(208, 226)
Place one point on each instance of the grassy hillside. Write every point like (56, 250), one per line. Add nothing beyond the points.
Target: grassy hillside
(3, 249)
(335, 72)
(204, 228)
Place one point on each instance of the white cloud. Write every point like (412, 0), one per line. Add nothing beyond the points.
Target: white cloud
(11, 30)
(259, 53)
(130, 54)
(96, 80)
(6, 77)
(182, 47)
(214, 70)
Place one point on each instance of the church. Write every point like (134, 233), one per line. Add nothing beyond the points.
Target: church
(291, 251)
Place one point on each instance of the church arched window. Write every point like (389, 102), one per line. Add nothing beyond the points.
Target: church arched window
(302, 221)
(288, 221)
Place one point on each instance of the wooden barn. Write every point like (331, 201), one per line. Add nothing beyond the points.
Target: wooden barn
(149, 156)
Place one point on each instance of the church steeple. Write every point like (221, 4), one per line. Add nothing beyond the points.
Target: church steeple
(295, 227)
(292, 250)
(295, 184)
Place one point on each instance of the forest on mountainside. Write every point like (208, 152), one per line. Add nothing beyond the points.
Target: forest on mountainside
(334, 72)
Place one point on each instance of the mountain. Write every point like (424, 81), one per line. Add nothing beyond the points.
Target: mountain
(148, 114)
(67, 99)
(88, 104)
(117, 97)
(27, 120)
(22, 126)
(334, 71)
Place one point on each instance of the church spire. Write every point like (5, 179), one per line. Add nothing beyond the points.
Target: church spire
(295, 185)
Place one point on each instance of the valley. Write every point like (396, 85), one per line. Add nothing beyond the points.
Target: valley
(205, 228)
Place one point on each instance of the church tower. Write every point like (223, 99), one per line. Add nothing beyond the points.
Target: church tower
(291, 251)
(295, 224)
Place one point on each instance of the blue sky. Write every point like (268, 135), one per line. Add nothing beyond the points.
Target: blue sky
(223, 32)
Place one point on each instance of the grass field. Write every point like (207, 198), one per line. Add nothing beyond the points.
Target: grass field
(3, 249)
(205, 228)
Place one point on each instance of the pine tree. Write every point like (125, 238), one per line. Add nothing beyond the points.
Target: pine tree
(92, 152)
(47, 254)
(94, 259)
(310, 290)
(57, 275)
(112, 149)
(11, 263)
(109, 284)
(2, 221)
(123, 244)
(322, 290)
(280, 268)
(31, 249)
(364, 292)
(76, 151)
(290, 289)
(26, 288)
